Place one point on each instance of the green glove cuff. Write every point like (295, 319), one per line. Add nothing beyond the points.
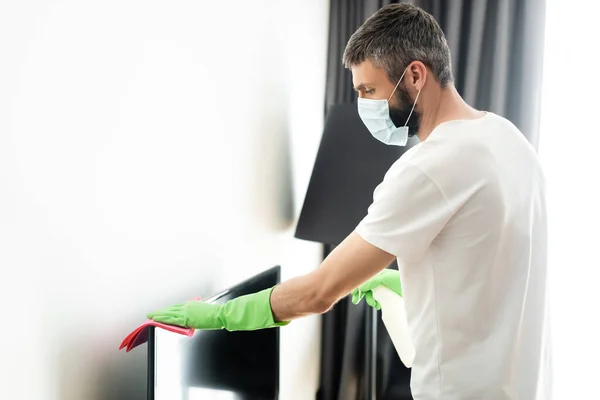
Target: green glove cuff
(388, 277)
(248, 313)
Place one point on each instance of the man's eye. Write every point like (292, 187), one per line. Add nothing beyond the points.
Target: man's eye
(369, 91)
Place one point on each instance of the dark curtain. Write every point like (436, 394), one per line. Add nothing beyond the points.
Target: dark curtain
(496, 48)
(343, 350)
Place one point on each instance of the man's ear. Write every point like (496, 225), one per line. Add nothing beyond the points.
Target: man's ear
(417, 75)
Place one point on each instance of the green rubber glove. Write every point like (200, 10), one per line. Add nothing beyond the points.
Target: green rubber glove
(388, 277)
(245, 313)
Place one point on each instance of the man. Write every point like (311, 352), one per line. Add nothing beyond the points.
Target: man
(463, 212)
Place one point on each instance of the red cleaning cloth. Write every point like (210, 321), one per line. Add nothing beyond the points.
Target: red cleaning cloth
(140, 334)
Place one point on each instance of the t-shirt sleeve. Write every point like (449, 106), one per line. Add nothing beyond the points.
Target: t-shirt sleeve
(408, 212)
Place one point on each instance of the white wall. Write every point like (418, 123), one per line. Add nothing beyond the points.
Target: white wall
(150, 151)
(569, 145)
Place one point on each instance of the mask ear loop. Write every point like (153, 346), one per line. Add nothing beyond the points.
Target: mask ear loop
(413, 108)
(416, 98)
(397, 84)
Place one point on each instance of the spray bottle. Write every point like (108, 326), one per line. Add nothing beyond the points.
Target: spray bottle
(393, 315)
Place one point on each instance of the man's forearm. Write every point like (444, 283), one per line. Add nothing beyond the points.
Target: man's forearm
(296, 298)
(350, 264)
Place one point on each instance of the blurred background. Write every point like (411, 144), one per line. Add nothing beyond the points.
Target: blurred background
(155, 151)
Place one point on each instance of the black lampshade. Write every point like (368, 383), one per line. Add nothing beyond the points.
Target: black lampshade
(350, 163)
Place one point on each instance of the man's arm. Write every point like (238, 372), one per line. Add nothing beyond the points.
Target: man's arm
(408, 212)
(351, 263)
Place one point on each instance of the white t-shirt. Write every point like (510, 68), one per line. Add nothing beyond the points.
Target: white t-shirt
(464, 213)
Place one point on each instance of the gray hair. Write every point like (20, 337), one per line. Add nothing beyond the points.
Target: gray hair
(397, 35)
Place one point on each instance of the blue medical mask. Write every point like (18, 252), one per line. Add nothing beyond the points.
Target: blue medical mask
(375, 114)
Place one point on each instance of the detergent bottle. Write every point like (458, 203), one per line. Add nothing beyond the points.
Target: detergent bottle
(393, 315)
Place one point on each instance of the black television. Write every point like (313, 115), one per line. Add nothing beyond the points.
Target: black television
(217, 364)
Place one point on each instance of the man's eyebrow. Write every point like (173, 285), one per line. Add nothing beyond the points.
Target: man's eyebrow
(361, 87)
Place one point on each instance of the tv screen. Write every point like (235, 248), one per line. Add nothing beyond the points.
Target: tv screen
(217, 364)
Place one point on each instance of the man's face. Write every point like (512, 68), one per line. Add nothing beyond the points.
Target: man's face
(371, 82)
